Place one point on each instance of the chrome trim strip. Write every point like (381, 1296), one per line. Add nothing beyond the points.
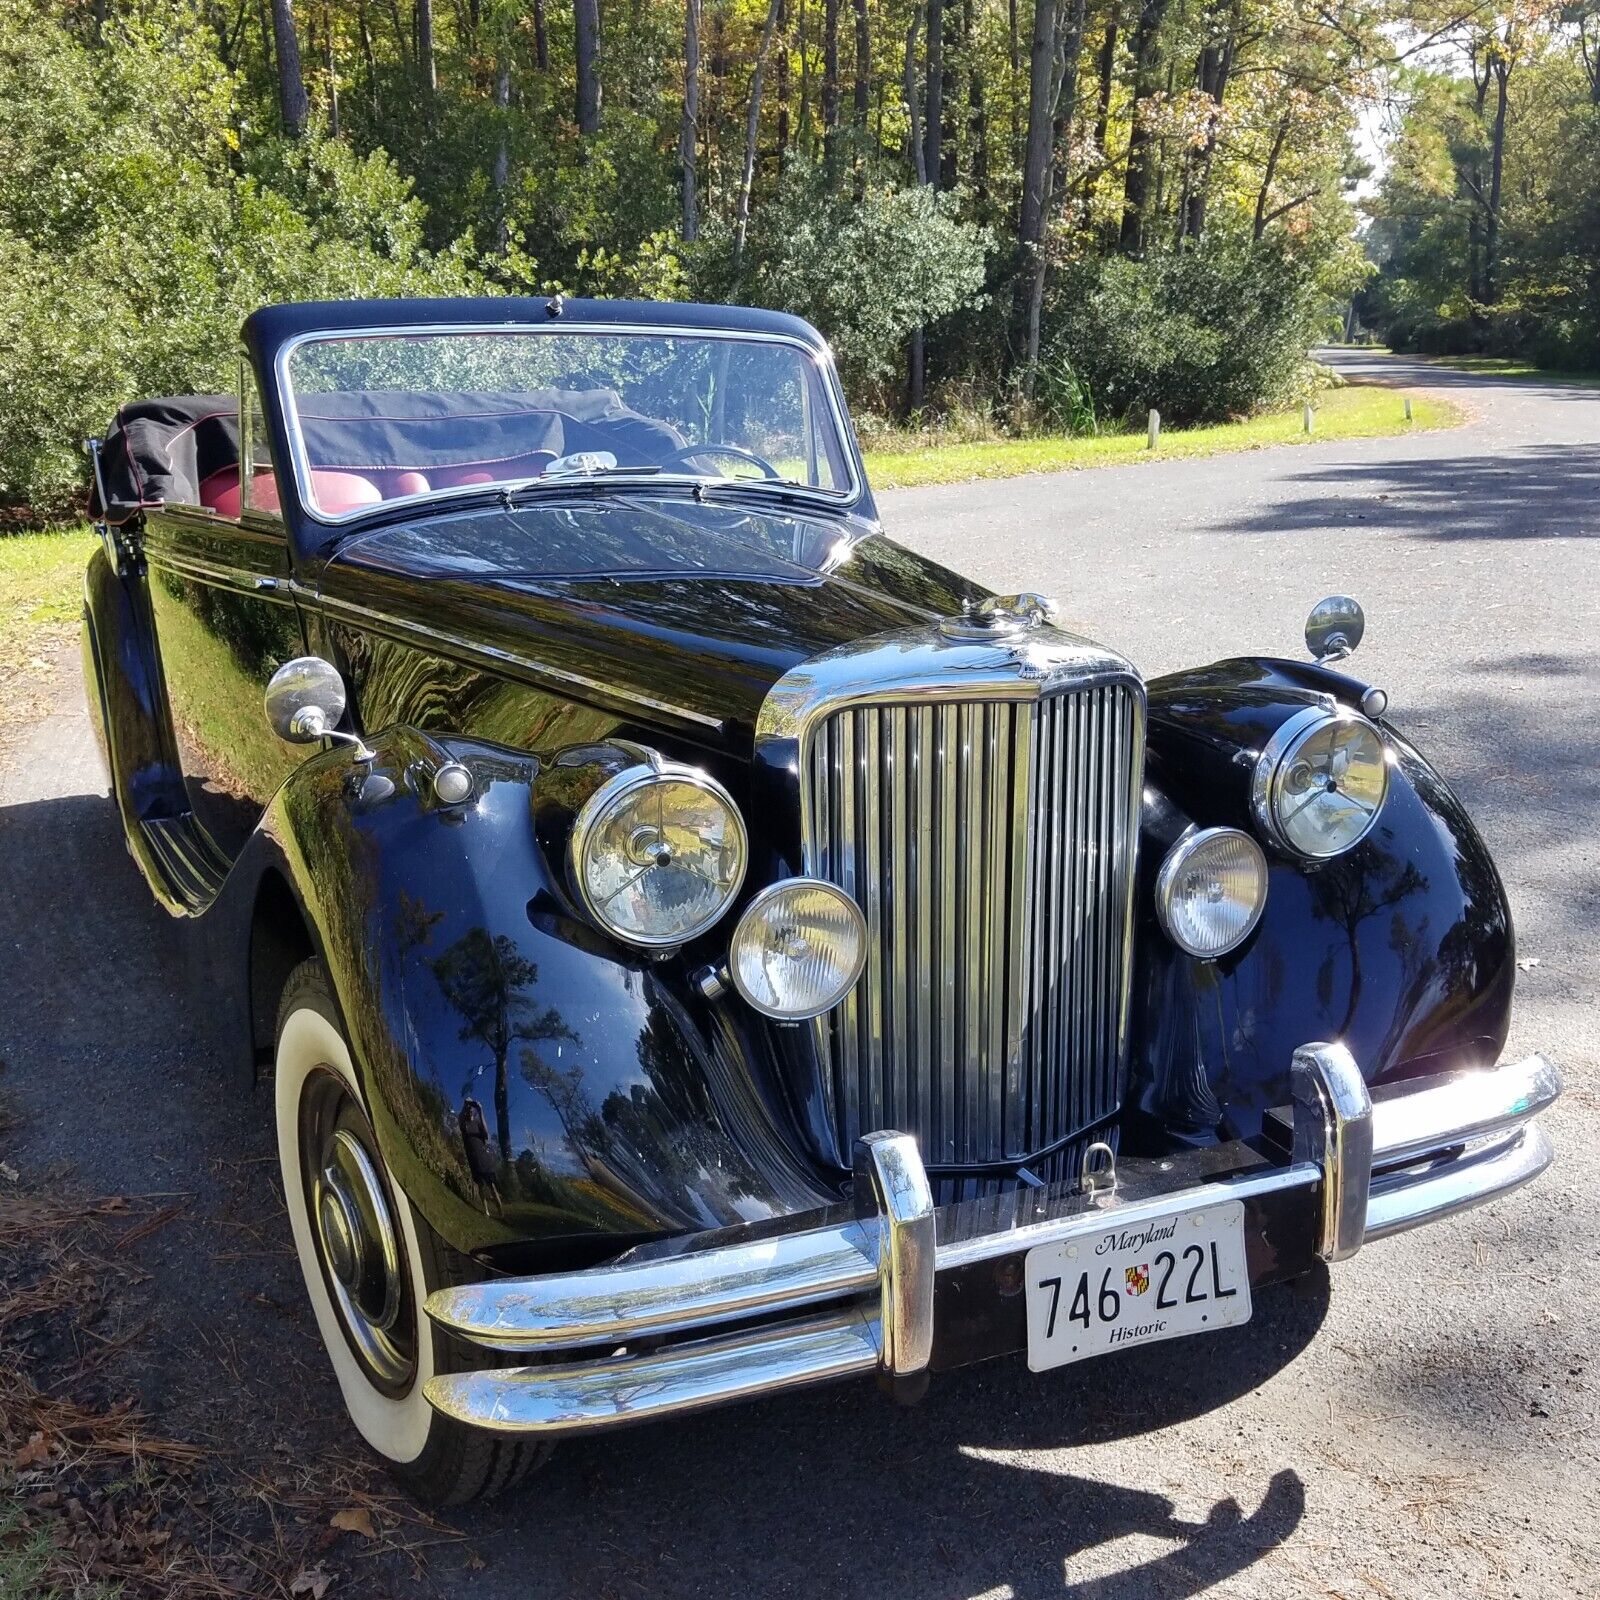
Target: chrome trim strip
(1478, 1174)
(1107, 1208)
(237, 580)
(631, 1300)
(1474, 1104)
(583, 1396)
(826, 369)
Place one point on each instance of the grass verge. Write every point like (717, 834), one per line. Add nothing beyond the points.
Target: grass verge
(1511, 367)
(1358, 411)
(41, 581)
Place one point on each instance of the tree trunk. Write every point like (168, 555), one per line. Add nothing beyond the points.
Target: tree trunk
(369, 57)
(830, 88)
(1013, 72)
(1269, 172)
(292, 104)
(1063, 106)
(502, 153)
(919, 160)
(863, 85)
(933, 105)
(586, 35)
(1497, 161)
(752, 132)
(1216, 67)
(688, 125)
(541, 36)
(1147, 82)
(1041, 123)
(333, 77)
(781, 86)
(425, 59)
(1107, 66)
(977, 110)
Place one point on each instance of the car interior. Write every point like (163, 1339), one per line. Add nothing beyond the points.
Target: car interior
(365, 448)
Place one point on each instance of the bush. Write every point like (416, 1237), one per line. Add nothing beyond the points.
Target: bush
(1202, 334)
(868, 269)
(134, 241)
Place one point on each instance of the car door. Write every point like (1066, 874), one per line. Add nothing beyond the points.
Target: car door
(225, 621)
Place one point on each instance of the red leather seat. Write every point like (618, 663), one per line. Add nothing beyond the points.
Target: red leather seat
(530, 465)
(335, 492)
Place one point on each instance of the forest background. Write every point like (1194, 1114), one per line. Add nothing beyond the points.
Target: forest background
(1025, 216)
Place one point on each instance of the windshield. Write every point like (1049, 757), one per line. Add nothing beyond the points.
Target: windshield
(386, 416)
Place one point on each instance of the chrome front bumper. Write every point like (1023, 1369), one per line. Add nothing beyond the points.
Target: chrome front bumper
(902, 1287)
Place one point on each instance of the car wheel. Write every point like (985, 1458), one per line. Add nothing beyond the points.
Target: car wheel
(370, 1261)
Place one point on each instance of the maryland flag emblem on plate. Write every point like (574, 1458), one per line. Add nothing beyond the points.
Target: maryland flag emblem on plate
(1138, 1279)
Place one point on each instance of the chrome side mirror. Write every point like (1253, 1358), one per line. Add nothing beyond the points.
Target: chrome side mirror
(305, 700)
(1334, 628)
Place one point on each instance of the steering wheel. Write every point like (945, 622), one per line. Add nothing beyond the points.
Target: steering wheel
(733, 451)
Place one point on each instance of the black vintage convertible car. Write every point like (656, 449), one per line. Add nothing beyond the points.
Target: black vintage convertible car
(699, 946)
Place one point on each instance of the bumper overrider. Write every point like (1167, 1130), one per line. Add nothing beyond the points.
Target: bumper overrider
(901, 1288)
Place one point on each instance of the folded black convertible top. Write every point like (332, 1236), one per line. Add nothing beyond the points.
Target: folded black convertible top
(163, 450)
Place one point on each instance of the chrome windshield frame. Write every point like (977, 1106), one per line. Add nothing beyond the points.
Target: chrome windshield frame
(844, 500)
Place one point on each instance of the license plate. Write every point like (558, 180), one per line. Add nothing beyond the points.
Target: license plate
(1125, 1285)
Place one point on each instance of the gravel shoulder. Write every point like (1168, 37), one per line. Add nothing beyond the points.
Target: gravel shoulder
(1423, 1425)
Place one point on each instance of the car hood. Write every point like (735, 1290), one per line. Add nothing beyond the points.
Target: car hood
(702, 609)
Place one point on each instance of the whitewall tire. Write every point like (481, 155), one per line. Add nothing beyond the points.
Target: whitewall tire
(369, 1261)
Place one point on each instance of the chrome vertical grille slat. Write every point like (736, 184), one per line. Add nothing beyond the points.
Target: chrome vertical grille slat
(990, 844)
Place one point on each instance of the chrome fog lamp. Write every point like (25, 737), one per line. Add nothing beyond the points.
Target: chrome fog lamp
(1320, 783)
(657, 854)
(798, 949)
(1211, 891)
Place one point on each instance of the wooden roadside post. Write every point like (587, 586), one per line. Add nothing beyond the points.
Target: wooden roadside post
(1153, 441)
(1308, 417)
(1408, 408)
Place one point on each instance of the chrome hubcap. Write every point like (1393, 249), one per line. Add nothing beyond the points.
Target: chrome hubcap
(355, 1232)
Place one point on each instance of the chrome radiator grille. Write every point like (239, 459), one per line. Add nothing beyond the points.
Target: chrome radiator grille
(991, 845)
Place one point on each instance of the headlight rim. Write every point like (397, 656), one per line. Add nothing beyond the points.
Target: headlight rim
(1177, 858)
(1274, 762)
(759, 899)
(618, 787)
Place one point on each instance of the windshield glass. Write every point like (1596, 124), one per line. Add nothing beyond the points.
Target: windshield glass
(384, 416)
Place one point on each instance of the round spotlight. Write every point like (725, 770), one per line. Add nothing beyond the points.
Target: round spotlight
(798, 949)
(1211, 891)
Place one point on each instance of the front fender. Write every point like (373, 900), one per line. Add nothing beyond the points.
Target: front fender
(1402, 948)
(610, 1111)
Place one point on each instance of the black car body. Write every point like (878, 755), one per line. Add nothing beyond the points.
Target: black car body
(599, 1181)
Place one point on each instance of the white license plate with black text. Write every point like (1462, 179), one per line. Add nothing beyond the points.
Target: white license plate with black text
(1134, 1284)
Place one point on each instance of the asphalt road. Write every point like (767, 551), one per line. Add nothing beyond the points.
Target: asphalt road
(1426, 1426)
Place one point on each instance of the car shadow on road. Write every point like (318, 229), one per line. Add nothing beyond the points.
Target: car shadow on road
(1527, 492)
(840, 1491)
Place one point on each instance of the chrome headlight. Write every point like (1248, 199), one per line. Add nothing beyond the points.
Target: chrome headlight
(1211, 891)
(1320, 783)
(798, 949)
(657, 854)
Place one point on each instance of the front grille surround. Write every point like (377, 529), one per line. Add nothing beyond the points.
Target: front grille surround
(989, 833)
